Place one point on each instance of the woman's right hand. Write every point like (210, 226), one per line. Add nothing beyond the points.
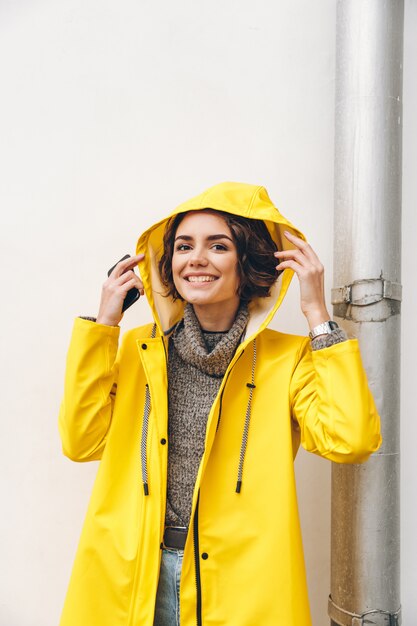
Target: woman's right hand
(115, 289)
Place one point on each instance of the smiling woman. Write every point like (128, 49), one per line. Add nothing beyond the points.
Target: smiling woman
(205, 530)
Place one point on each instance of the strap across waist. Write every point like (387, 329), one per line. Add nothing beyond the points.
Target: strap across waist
(175, 537)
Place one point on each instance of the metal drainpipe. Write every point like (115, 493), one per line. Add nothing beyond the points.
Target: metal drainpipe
(365, 573)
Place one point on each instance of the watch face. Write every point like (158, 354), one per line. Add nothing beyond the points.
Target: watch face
(333, 325)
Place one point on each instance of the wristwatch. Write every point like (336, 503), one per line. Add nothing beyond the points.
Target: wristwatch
(323, 329)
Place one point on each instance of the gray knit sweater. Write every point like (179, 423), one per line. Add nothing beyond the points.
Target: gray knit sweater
(197, 362)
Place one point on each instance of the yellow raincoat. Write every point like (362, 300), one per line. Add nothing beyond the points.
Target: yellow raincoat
(115, 410)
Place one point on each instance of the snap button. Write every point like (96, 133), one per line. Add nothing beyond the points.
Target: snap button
(144, 346)
(204, 556)
(163, 441)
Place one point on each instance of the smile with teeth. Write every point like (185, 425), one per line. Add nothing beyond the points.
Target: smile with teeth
(200, 279)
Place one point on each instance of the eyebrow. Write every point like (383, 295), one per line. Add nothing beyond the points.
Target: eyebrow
(209, 238)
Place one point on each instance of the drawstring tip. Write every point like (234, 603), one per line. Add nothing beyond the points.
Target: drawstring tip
(146, 489)
(238, 486)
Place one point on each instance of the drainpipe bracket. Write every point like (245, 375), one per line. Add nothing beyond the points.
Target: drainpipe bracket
(376, 617)
(366, 292)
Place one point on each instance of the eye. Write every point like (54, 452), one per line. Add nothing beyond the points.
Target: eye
(219, 246)
(181, 247)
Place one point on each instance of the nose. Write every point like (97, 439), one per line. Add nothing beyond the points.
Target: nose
(197, 257)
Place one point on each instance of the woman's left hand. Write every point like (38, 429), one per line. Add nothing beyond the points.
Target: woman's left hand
(306, 264)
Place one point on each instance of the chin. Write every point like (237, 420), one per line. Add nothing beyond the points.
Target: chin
(197, 299)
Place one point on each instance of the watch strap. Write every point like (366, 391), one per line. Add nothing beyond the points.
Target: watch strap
(323, 329)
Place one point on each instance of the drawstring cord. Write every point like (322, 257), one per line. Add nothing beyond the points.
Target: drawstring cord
(145, 425)
(244, 444)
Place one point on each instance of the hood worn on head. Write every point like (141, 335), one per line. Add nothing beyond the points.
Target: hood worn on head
(248, 201)
(244, 200)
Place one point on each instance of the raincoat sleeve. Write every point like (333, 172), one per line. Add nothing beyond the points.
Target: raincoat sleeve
(89, 390)
(332, 406)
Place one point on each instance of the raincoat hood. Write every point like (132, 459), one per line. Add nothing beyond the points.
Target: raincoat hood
(244, 200)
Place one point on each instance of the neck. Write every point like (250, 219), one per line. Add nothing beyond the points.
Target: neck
(215, 318)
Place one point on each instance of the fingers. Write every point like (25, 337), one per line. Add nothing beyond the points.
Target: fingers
(127, 264)
(290, 264)
(298, 262)
(295, 255)
(123, 273)
(134, 282)
(302, 257)
(128, 280)
(303, 246)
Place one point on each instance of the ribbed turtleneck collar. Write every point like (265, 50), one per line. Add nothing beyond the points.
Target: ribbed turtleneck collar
(189, 342)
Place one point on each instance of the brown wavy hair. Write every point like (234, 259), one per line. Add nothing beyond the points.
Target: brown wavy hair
(255, 250)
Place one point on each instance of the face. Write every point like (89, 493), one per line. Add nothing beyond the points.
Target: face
(204, 262)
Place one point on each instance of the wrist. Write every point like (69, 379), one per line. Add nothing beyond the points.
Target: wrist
(106, 322)
(315, 318)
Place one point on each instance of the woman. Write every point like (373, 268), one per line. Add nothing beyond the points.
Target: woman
(207, 527)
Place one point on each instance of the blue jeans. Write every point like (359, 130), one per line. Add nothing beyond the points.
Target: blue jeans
(167, 608)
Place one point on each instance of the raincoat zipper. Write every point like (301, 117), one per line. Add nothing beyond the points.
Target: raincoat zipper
(197, 562)
(195, 520)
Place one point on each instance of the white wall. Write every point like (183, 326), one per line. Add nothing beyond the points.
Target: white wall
(110, 115)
